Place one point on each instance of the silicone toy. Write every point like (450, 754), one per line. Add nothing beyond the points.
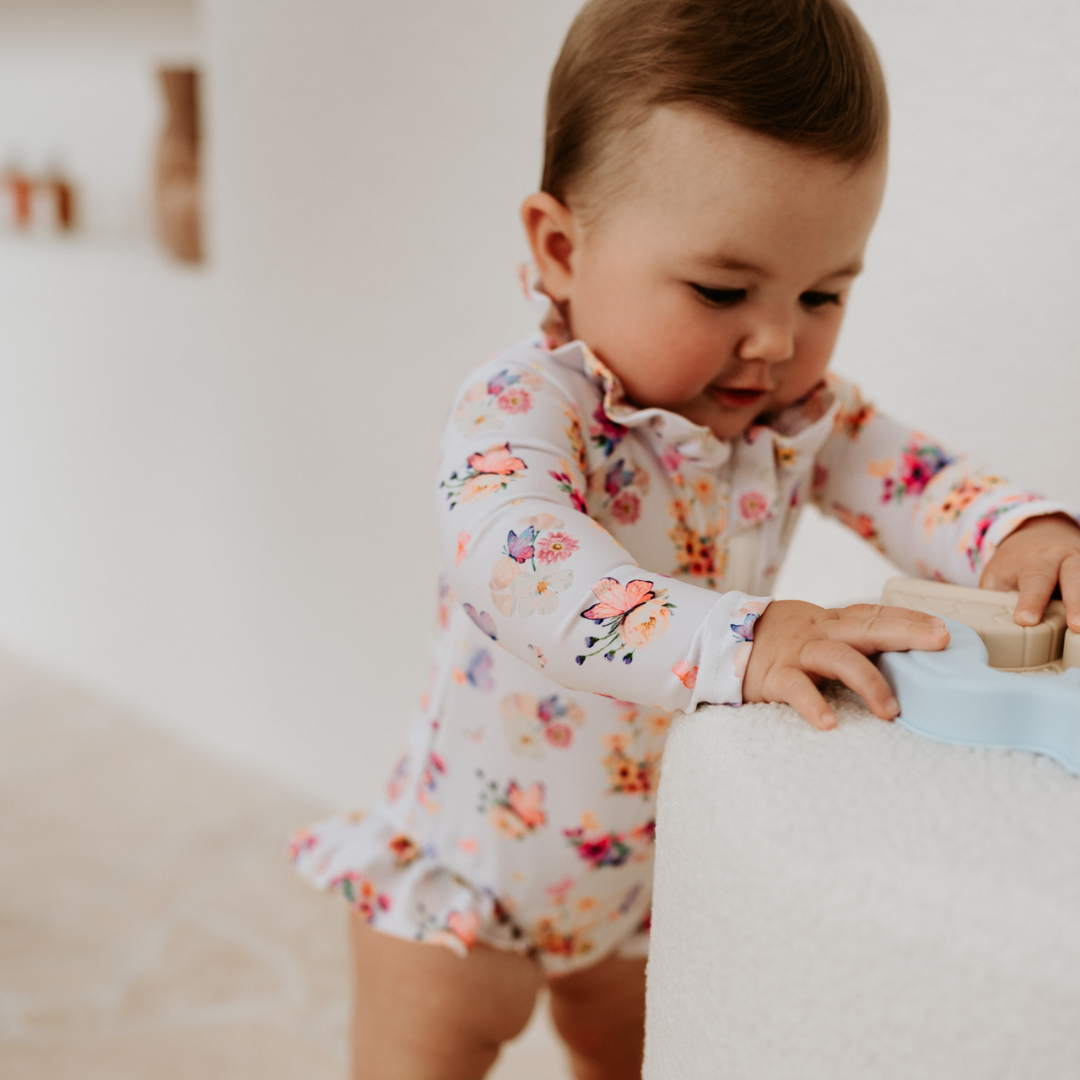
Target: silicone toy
(990, 614)
(957, 695)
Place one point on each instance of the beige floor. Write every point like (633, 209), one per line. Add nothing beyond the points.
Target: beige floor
(150, 927)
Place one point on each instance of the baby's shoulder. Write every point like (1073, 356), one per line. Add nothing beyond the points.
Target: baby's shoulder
(520, 381)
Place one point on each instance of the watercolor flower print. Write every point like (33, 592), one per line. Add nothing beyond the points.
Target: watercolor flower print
(920, 461)
(629, 616)
(487, 403)
(618, 491)
(973, 545)
(530, 575)
(515, 811)
(633, 757)
(598, 847)
(534, 726)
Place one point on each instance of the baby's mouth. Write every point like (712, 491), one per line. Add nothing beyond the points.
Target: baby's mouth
(738, 398)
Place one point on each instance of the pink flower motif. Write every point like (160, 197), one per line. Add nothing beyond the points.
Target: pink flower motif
(753, 506)
(302, 842)
(559, 890)
(686, 674)
(558, 734)
(555, 547)
(626, 508)
(671, 459)
(514, 399)
(463, 539)
(361, 894)
(464, 925)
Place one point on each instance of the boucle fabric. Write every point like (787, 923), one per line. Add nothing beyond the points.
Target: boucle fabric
(861, 904)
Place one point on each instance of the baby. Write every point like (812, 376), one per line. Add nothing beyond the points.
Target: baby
(615, 497)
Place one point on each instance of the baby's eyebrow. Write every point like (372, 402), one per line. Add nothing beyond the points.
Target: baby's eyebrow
(727, 262)
(851, 270)
(720, 261)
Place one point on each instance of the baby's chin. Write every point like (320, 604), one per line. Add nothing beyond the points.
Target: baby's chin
(725, 424)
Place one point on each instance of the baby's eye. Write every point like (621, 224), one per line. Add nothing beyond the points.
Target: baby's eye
(719, 297)
(819, 299)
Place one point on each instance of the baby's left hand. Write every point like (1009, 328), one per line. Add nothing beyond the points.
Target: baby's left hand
(1034, 559)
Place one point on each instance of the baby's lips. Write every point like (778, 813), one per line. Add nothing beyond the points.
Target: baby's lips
(744, 389)
(739, 395)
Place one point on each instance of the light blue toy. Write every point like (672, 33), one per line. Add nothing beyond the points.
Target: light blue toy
(956, 697)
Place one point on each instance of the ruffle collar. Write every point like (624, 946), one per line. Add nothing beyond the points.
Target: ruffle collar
(784, 438)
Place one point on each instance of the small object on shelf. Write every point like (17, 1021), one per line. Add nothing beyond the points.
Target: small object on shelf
(21, 195)
(64, 205)
(178, 197)
(38, 204)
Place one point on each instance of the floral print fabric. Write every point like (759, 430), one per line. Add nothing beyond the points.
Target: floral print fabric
(591, 589)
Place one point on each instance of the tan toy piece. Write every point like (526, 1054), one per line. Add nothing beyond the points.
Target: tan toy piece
(1048, 647)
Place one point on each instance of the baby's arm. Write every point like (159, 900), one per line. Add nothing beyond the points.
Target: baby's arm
(936, 517)
(552, 586)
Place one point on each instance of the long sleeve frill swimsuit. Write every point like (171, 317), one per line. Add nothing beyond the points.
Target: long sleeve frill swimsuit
(604, 568)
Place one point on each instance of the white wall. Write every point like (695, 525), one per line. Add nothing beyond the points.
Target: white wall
(215, 487)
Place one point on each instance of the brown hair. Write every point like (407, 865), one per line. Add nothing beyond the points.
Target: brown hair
(801, 71)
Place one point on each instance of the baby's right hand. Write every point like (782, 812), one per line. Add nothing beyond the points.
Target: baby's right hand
(797, 645)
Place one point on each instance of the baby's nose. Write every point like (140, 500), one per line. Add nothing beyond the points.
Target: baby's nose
(770, 340)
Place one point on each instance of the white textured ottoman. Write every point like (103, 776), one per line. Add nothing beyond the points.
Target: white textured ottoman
(861, 904)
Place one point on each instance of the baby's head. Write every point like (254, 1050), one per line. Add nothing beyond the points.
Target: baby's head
(712, 172)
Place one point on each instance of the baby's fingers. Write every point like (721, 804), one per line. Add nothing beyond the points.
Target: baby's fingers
(1037, 583)
(886, 611)
(1070, 591)
(873, 629)
(797, 689)
(835, 660)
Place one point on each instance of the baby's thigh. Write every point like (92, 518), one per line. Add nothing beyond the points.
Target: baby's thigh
(422, 1013)
(600, 1013)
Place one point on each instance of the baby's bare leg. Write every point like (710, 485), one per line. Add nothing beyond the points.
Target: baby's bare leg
(600, 1014)
(422, 1013)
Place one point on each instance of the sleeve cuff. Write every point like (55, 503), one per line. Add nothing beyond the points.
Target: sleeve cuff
(1010, 519)
(728, 641)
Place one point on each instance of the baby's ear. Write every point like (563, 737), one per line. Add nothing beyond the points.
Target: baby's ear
(553, 236)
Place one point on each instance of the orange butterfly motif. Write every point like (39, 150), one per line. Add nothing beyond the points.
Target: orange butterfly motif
(527, 803)
(616, 600)
(496, 461)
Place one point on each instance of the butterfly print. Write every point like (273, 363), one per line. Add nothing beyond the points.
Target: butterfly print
(478, 673)
(483, 620)
(520, 548)
(630, 616)
(686, 674)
